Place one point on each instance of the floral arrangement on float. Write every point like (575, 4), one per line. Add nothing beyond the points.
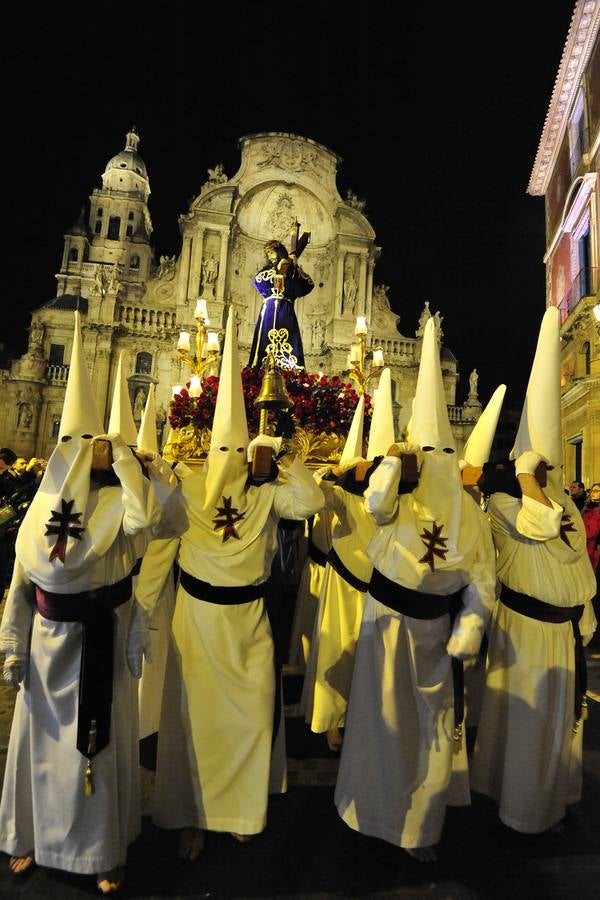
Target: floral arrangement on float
(316, 425)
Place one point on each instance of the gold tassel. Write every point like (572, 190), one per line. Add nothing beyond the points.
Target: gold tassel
(584, 707)
(576, 726)
(89, 780)
(458, 738)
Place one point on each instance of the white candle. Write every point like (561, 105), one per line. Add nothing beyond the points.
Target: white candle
(321, 374)
(374, 397)
(377, 357)
(195, 386)
(354, 353)
(201, 311)
(184, 341)
(361, 325)
(213, 341)
(177, 389)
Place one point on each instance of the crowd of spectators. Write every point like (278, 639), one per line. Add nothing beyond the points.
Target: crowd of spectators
(19, 480)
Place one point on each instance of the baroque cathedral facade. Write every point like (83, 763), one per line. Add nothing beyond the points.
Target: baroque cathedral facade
(131, 303)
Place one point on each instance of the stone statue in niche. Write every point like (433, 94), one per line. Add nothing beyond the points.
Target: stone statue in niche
(113, 280)
(25, 415)
(318, 334)
(101, 281)
(438, 319)
(349, 293)
(210, 270)
(139, 404)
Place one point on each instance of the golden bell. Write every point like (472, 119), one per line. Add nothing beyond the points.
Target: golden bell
(273, 393)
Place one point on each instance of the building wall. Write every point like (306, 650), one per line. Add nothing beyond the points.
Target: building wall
(129, 304)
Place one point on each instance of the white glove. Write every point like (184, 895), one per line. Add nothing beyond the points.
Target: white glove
(528, 462)
(14, 670)
(138, 640)
(464, 644)
(264, 440)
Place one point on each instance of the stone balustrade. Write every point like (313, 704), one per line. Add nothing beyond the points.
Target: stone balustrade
(392, 348)
(146, 319)
(57, 374)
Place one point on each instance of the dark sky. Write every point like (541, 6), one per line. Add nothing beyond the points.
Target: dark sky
(437, 117)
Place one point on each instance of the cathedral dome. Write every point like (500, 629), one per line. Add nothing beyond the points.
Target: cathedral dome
(127, 170)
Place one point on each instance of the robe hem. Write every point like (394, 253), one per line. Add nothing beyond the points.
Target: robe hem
(404, 841)
(238, 826)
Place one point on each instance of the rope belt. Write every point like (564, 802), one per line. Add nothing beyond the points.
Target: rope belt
(423, 606)
(556, 615)
(338, 566)
(94, 609)
(224, 596)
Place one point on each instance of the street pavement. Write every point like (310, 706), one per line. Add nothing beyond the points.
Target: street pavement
(306, 850)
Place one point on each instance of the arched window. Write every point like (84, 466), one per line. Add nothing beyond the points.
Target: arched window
(135, 262)
(73, 254)
(98, 226)
(130, 215)
(143, 364)
(129, 230)
(114, 226)
(100, 211)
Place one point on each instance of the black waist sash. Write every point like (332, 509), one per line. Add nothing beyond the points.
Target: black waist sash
(94, 610)
(418, 605)
(318, 556)
(224, 596)
(557, 615)
(338, 566)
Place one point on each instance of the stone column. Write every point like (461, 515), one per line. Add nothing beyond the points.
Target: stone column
(369, 290)
(222, 276)
(361, 306)
(184, 270)
(193, 290)
(339, 284)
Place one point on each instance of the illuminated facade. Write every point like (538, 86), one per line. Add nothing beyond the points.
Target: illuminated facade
(565, 173)
(132, 303)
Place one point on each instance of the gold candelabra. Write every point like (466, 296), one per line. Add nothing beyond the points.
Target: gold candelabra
(207, 350)
(356, 359)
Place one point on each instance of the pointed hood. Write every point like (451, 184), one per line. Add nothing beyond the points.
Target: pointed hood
(381, 435)
(226, 465)
(539, 428)
(429, 425)
(121, 415)
(477, 450)
(353, 448)
(80, 413)
(52, 560)
(439, 494)
(146, 438)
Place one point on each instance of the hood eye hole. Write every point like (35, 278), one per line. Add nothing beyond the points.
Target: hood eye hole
(448, 450)
(87, 436)
(224, 449)
(65, 438)
(240, 450)
(427, 449)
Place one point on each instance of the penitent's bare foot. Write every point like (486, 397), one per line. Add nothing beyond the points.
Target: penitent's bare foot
(422, 854)
(190, 844)
(110, 882)
(19, 865)
(334, 739)
(242, 838)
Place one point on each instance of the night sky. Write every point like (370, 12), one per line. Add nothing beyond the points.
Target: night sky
(437, 118)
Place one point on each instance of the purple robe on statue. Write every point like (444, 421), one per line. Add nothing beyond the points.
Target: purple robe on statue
(277, 327)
